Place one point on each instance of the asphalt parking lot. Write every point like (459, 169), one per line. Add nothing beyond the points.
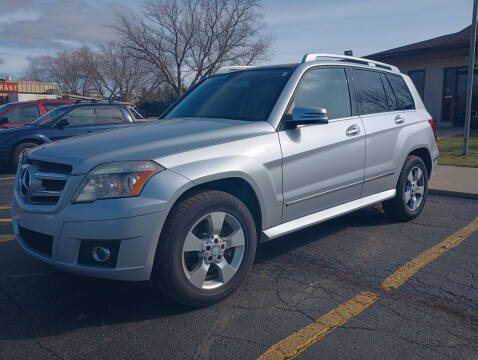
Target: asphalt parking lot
(296, 280)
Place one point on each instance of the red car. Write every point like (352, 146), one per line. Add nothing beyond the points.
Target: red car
(22, 113)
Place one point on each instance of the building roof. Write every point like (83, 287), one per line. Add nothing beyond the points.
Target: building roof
(451, 41)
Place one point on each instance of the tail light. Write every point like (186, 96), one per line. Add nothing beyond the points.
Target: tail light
(434, 128)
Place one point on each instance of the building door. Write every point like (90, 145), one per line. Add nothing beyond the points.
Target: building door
(454, 97)
(460, 98)
(449, 95)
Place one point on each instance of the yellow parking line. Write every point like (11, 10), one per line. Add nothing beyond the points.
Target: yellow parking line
(5, 220)
(9, 237)
(5, 207)
(298, 342)
(399, 277)
(7, 178)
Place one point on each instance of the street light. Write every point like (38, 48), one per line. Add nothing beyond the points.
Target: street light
(471, 66)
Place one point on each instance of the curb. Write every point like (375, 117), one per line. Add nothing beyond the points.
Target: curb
(459, 194)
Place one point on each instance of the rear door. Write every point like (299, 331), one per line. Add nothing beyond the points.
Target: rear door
(383, 119)
(323, 164)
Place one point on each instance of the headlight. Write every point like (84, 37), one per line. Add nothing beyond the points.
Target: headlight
(116, 180)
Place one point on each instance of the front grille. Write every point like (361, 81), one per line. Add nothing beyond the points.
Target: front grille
(42, 182)
(46, 166)
(37, 241)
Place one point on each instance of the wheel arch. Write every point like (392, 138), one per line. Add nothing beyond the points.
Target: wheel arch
(39, 140)
(424, 154)
(234, 185)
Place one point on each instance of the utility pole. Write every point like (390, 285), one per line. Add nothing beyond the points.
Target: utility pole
(471, 67)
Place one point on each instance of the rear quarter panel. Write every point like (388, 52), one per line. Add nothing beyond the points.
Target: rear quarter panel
(416, 134)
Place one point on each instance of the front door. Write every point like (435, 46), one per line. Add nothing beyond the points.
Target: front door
(80, 121)
(323, 164)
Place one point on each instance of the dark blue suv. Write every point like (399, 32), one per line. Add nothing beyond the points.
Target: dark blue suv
(61, 123)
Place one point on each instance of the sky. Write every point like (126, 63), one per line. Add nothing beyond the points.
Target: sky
(30, 28)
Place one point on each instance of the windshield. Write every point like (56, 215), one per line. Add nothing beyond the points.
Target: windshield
(51, 116)
(5, 107)
(243, 95)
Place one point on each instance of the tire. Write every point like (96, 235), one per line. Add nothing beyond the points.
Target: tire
(189, 249)
(412, 191)
(18, 150)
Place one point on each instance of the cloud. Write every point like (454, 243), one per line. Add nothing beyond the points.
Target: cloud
(2, 61)
(58, 24)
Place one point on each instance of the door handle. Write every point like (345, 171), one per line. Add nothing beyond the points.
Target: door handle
(353, 130)
(399, 119)
(90, 130)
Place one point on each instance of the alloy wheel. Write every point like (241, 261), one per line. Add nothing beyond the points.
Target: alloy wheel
(213, 250)
(414, 188)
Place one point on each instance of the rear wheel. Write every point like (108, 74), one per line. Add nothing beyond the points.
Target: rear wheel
(206, 249)
(18, 150)
(412, 190)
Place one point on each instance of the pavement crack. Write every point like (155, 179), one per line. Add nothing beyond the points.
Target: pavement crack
(241, 340)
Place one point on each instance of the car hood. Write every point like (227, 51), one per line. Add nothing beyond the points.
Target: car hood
(147, 141)
(16, 128)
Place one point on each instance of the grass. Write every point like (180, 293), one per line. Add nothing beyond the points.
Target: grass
(451, 150)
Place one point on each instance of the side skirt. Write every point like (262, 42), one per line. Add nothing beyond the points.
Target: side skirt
(318, 217)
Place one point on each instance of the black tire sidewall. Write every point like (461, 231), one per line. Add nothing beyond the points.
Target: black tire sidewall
(216, 202)
(18, 150)
(413, 161)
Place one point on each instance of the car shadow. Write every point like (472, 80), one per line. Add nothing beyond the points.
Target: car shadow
(371, 216)
(48, 302)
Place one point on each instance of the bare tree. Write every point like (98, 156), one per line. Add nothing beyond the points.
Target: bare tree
(65, 68)
(109, 72)
(187, 40)
(122, 75)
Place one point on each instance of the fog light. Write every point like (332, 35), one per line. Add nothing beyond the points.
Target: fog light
(101, 254)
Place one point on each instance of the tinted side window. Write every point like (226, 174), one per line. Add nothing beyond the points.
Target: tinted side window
(371, 93)
(23, 114)
(108, 115)
(29, 113)
(391, 99)
(400, 88)
(81, 117)
(14, 115)
(324, 88)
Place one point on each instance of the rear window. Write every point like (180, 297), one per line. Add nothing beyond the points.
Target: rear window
(108, 115)
(402, 93)
(392, 100)
(371, 94)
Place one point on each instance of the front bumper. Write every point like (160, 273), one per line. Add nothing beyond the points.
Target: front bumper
(133, 223)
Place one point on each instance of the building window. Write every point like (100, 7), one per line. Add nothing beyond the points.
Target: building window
(418, 78)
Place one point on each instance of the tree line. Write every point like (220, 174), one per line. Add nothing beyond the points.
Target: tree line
(162, 50)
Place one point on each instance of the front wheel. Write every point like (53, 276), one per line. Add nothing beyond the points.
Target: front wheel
(412, 191)
(18, 151)
(206, 249)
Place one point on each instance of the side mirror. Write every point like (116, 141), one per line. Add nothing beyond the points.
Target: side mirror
(4, 120)
(303, 115)
(62, 123)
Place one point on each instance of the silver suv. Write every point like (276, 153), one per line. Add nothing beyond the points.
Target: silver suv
(247, 155)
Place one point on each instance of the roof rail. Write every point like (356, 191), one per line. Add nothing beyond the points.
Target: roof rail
(228, 69)
(334, 57)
